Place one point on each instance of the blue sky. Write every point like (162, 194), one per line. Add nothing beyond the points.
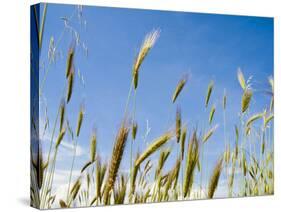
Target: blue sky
(204, 46)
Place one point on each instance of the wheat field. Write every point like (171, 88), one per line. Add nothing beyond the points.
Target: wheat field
(174, 165)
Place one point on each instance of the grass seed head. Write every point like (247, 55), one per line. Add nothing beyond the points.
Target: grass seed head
(209, 92)
(80, 120)
(246, 99)
(211, 115)
(156, 144)
(178, 124)
(241, 79)
(62, 114)
(93, 147)
(86, 166)
(162, 159)
(70, 86)
(40, 168)
(117, 154)
(179, 88)
(60, 137)
(75, 189)
(209, 133)
(224, 100)
(63, 204)
(134, 130)
(214, 180)
(191, 162)
(254, 118)
(148, 43)
(69, 62)
(183, 138)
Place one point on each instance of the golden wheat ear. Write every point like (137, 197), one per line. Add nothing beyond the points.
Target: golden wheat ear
(80, 120)
(246, 99)
(117, 154)
(179, 88)
(183, 138)
(69, 62)
(214, 180)
(62, 114)
(156, 144)
(178, 124)
(191, 162)
(70, 80)
(148, 43)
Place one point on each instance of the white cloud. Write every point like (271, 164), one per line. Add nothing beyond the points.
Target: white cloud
(70, 148)
(66, 147)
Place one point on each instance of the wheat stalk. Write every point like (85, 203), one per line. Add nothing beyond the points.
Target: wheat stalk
(80, 120)
(214, 180)
(98, 178)
(93, 148)
(69, 62)
(60, 137)
(231, 178)
(209, 92)
(156, 144)
(42, 26)
(172, 176)
(268, 119)
(164, 154)
(179, 88)
(191, 161)
(70, 86)
(40, 168)
(79, 124)
(134, 130)
(116, 158)
(74, 191)
(62, 114)
(241, 79)
(178, 124)
(224, 100)
(211, 115)
(246, 99)
(148, 43)
(253, 118)
(183, 138)
(153, 147)
(209, 133)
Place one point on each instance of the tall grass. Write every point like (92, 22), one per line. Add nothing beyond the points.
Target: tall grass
(246, 159)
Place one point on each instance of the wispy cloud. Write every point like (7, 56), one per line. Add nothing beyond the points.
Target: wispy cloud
(67, 147)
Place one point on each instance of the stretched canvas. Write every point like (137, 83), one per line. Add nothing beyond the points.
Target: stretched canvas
(141, 106)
